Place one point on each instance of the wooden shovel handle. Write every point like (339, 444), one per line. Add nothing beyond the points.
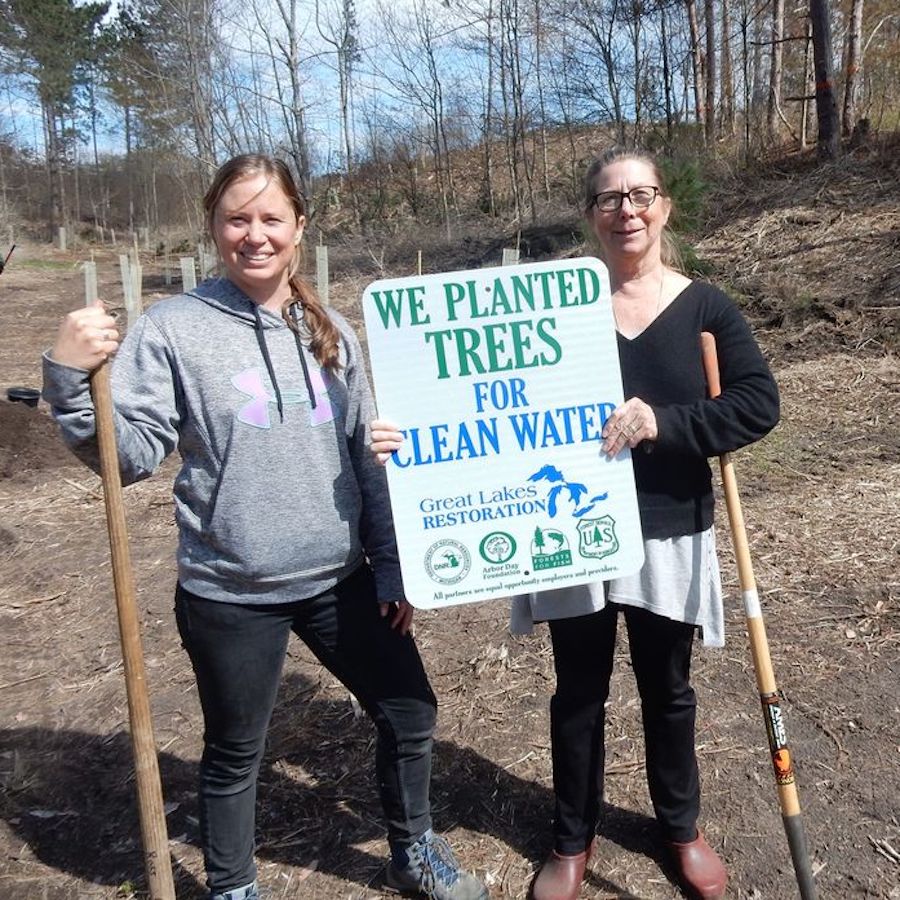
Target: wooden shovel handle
(150, 802)
(782, 757)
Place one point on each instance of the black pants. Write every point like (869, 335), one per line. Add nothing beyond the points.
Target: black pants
(237, 652)
(661, 657)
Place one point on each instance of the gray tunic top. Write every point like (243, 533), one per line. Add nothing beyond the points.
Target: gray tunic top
(679, 580)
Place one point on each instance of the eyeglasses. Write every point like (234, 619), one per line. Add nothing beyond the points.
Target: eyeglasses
(638, 197)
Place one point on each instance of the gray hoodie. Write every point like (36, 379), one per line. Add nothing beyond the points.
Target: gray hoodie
(278, 497)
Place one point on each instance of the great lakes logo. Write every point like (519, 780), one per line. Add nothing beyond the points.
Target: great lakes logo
(448, 561)
(549, 549)
(597, 537)
(572, 491)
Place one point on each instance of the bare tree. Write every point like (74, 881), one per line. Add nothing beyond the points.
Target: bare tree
(284, 40)
(487, 129)
(184, 36)
(667, 72)
(480, 43)
(696, 59)
(633, 19)
(511, 90)
(828, 144)
(727, 77)
(338, 26)
(750, 87)
(411, 62)
(854, 63)
(598, 22)
(542, 108)
(807, 78)
(564, 96)
(710, 112)
(755, 24)
(773, 111)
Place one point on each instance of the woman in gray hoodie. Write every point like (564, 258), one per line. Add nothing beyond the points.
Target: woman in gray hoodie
(283, 516)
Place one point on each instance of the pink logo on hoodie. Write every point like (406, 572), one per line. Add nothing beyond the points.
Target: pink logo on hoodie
(256, 411)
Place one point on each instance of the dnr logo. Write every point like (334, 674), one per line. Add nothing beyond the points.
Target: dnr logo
(597, 537)
(447, 561)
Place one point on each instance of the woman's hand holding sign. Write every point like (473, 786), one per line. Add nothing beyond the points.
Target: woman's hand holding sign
(386, 439)
(629, 424)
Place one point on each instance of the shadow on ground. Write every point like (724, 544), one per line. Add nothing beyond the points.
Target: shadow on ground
(69, 796)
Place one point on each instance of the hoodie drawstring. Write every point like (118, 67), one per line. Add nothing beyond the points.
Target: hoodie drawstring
(263, 348)
(261, 340)
(306, 378)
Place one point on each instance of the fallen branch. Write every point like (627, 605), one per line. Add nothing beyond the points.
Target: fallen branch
(885, 849)
(24, 603)
(81, 487)
(10, 684)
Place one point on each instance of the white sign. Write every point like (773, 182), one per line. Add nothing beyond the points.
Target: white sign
(501, 380)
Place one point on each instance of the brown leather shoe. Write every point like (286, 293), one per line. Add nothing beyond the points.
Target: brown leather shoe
(699, 869)
(561, 876)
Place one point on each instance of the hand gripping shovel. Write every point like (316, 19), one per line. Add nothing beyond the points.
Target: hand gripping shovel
(782, 759)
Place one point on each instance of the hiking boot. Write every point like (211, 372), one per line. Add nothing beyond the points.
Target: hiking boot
(429, 868)
(247, 892)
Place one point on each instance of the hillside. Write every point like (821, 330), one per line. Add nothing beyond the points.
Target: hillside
(812, 255)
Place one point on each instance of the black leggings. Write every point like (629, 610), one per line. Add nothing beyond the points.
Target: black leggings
(237, 651)
(583, 649)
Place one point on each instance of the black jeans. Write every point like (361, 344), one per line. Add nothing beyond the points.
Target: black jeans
(583, 649)
(237, 652)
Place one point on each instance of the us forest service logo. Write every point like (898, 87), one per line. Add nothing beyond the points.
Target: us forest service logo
(549, 549)
(447, 561)
(497, 548)
(597, 537)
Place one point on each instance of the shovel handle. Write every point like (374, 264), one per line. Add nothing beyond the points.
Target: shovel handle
(154, 837)
(770, 698)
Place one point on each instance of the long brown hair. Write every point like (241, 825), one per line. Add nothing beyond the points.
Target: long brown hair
(670, 252)
(324, 336)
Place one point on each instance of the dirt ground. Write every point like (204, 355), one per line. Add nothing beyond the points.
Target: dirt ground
(819, 277)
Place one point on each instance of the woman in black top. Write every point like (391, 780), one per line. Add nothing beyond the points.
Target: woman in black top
(671, 426)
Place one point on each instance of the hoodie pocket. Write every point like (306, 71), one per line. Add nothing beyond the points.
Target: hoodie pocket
(270, 527)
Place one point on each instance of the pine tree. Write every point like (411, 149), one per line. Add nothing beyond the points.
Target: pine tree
(51, 41)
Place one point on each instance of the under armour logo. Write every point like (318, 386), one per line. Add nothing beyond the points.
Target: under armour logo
(256, 411)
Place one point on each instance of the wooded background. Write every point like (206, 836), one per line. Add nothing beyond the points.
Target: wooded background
(438, 112)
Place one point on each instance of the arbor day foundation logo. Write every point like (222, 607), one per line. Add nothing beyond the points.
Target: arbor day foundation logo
(497, 547)
(597, 537)
(549, 549)
(447, 561)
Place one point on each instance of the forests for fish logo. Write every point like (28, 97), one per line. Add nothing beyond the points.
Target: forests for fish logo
(549, 549)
